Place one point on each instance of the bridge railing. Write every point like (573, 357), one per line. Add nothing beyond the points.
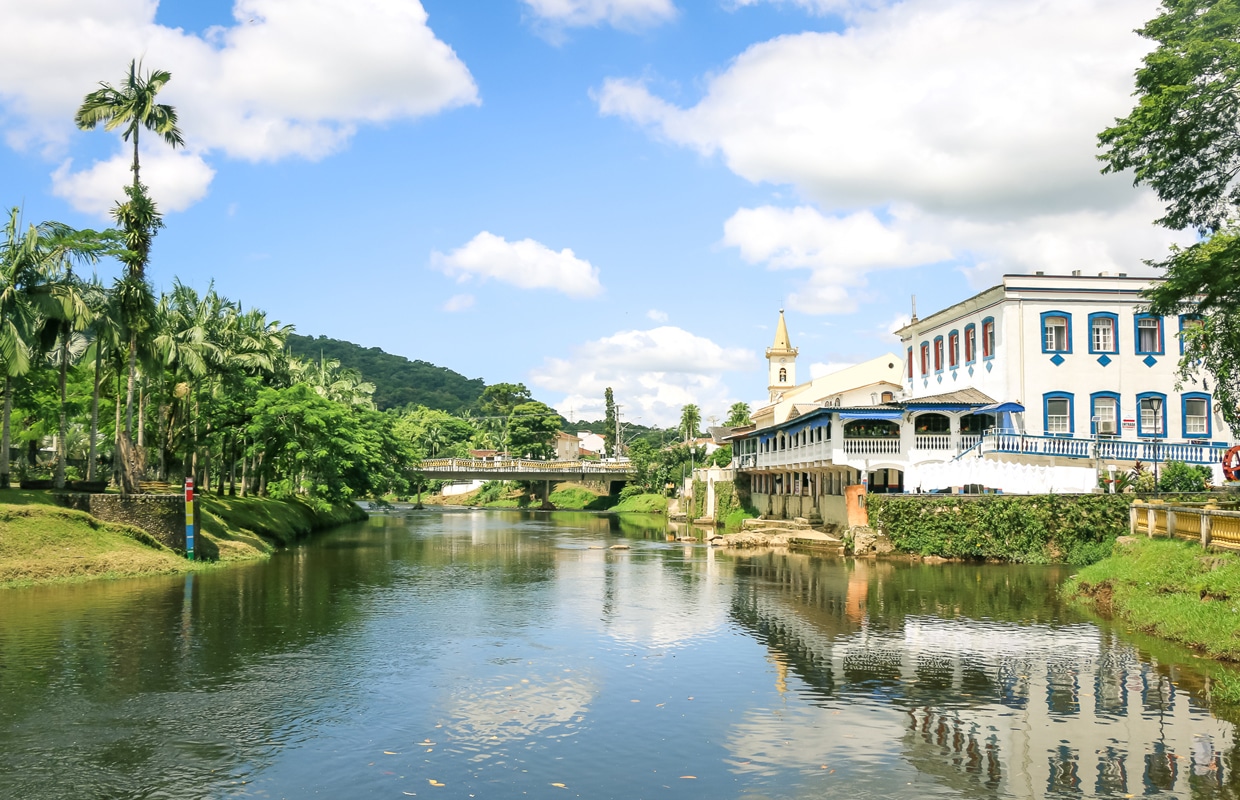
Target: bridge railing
(526, 465)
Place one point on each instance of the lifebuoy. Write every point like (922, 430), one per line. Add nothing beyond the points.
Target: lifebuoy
(1231, 464)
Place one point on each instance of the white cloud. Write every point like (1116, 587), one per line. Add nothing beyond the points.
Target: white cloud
(526, 264)
(176, 179)
(459, 302)
(656, 315)
(653, 373)
(839, 251)
(289, 78)
(618, 13)
(926, 131)
(813, 6)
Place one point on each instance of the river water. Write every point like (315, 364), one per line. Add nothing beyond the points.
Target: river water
(515, 654)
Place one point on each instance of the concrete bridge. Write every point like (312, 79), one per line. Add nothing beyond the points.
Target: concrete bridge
(520, 469)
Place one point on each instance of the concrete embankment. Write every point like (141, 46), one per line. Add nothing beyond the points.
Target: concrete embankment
(798, 533)
(41, 541)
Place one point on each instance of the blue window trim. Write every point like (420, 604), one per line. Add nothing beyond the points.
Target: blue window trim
(1184, 398)
(924, 352)
(970, 328)
(1093, 426)
(938, 342)
(1046, 398)
(908, 373)
(1136, 335)
(1180, 336)
(950, 363)
(1114, 333)
(982, 343)
(1067, 333)
(1140, 431)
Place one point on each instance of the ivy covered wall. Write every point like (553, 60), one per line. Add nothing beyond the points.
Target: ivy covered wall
(1038, 529)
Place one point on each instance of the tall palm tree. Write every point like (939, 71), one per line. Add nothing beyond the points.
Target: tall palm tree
(105, 338)
(738, 414)
(65, 332)
(131, 105)
(690, 421)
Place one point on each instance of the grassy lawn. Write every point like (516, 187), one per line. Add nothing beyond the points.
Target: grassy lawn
(1171, 589)
(42, 542)
(643, 503)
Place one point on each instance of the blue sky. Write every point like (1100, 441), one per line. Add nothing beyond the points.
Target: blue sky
(409, 176)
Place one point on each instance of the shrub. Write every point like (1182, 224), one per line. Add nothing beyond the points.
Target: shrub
(1180, 477)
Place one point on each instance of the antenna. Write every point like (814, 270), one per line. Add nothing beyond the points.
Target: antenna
(914, 319)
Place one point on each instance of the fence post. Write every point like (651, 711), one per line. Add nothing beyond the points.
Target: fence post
(1170, 524)
(1206, 519)
(1132, 520)
(1150, 522)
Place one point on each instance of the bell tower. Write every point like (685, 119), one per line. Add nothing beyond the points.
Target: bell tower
(781, 359)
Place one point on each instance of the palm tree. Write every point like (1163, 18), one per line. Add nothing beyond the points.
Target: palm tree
(65, 330)
(132, 105)
(690, 420)
(105, 339)
(738, 414)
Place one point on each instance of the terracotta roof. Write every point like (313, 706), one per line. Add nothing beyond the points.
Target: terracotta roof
(960, 397)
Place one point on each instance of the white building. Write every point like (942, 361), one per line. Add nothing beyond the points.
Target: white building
(1029, 386)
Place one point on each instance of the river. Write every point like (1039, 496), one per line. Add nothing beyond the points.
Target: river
(488, 654)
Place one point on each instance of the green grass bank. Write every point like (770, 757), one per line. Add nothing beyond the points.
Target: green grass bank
(41, 542)
(1171, 589)
(565, 496)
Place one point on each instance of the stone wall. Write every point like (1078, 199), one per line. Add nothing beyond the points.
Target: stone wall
(160, 515)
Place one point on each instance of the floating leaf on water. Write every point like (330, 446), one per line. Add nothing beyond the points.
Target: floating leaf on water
(390, 753)
(688, 777)
(434, 782)
(659, 705)
(559, 786)
(415, 794)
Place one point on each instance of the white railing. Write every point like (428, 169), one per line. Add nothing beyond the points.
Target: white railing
(524, 465)
(872, 447)
(968, 441)
(1105, 449)
(933, 441)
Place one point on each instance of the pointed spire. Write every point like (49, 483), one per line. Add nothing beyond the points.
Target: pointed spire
(782, 345)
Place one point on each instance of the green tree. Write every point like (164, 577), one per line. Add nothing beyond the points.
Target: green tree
(498, 402)
(610, 423)
(131, 107)
(738, 415)
(690, 421)
(531, 430)
(1182, 139)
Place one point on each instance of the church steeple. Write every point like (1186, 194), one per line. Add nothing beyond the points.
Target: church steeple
(781, 359)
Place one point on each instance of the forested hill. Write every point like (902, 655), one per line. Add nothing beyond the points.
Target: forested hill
(398, 381)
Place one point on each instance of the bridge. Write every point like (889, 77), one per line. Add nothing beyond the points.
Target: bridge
(521, 469)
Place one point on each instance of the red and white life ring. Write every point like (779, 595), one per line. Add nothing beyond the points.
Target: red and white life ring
(1231, 464)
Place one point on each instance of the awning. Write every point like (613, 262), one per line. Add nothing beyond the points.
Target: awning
(997, 408)
(892, 414)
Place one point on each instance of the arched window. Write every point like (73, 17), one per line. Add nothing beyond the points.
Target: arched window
(783, 375)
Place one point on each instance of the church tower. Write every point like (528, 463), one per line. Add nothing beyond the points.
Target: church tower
(781, 359)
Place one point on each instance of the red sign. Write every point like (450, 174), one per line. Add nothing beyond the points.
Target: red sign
(189, 490)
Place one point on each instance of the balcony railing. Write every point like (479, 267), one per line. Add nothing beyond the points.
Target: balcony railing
(872, 447)
(1105, 449)
(933, 441)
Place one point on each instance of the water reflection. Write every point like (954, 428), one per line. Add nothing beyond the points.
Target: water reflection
(501, 653)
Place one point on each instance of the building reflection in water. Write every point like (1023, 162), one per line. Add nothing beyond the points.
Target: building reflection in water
(1001, 691)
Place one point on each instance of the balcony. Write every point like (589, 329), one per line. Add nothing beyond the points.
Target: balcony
(1104, 449)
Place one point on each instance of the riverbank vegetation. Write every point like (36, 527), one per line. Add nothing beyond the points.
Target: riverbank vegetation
(42, 542)
(1171, 589)
(1077, 529)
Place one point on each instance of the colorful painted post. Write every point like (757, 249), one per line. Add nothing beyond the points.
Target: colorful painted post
(189, 518)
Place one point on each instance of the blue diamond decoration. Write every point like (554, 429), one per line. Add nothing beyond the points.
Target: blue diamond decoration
(1149, 361)
(938, 378)
(953, 374)
(989, 365)
(925, 382)
(970, 372)
(1104, 359)
(1057, 359)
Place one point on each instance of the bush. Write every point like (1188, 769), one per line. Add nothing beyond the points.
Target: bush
(1077, 529)
(631, 490)
(722, 457)
(1180, 477)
